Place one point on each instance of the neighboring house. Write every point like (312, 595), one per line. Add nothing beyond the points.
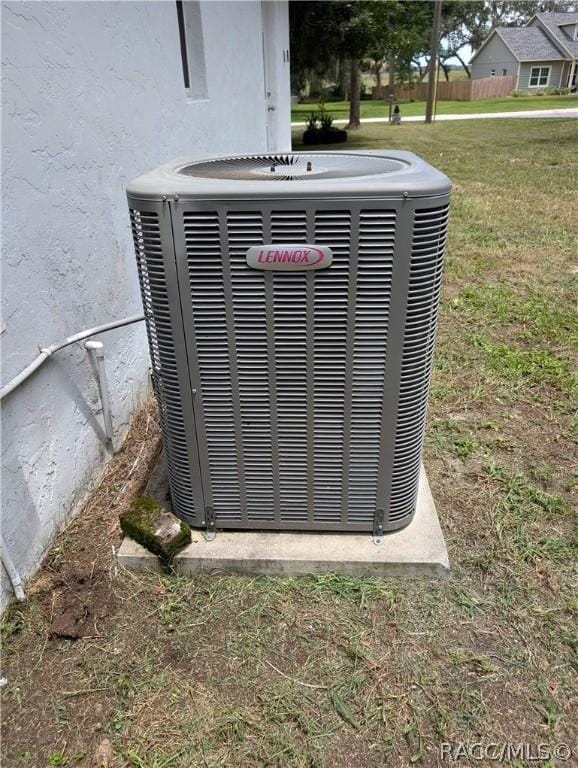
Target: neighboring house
(542, 54)
(93, 95)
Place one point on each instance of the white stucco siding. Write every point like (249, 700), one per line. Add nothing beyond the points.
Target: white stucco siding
(93, 95)
(278, 87)
(496, 56)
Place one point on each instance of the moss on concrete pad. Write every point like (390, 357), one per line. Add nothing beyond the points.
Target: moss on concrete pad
(159, 531)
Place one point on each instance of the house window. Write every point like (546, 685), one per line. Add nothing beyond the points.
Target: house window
(539, 76)
(504, 72)
(192, 48)
(492, 73)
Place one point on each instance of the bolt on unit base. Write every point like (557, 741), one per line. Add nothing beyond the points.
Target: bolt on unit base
(417, 550)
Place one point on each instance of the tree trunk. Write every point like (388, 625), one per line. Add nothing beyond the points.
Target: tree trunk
(434, 58)
(377, 70)
(446, 71)
(426, 69)
(496, 12)
(391, 70)
(419, 69)
(355, 96)
(343, 81)
(464, 65)
(315, 85)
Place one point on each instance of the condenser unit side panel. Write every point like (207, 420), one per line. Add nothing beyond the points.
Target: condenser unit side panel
(154, 247)
(392, 374)
(293, 370)
(370, 348)
(428, 242)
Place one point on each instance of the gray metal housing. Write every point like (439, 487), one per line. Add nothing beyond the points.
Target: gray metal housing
(292, 400)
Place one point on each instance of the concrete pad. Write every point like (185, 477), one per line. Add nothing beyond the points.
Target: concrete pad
(418, 550)
(135, 557)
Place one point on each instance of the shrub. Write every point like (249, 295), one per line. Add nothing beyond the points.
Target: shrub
(553, 91)
(326, 121)
(516, 93)
(312, 121)
(323, 118)
(320, 136)
(320, 129)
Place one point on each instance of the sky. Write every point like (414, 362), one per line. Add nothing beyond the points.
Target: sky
(466, 54)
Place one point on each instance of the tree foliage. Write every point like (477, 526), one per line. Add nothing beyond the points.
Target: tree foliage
(323, 31)
(326, 33)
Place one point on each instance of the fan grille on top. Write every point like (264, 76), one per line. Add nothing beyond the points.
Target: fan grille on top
(293, 167)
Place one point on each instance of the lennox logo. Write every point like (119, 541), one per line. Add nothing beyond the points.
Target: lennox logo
(289, 257)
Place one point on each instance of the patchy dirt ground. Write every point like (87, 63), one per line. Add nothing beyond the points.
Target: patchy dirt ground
(116, 670)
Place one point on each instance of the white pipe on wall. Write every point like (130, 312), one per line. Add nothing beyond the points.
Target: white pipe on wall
(12, 572)
(98, 349)
(47, 352)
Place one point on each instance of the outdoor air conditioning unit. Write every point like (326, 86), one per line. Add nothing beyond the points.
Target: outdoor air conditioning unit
(291, 304)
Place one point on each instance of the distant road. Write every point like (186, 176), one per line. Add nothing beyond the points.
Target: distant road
(571, 112)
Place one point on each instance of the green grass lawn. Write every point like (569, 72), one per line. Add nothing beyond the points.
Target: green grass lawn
(340, 109)
(339, 672)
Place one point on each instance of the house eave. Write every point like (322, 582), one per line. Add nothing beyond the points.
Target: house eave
(546, 58)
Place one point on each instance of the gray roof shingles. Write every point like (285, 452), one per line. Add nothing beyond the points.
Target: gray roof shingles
(554, 22)
(530, 44)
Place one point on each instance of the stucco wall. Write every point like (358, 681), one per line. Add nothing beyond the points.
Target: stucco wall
(93, 95)
(495, 55)
(278, 91)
